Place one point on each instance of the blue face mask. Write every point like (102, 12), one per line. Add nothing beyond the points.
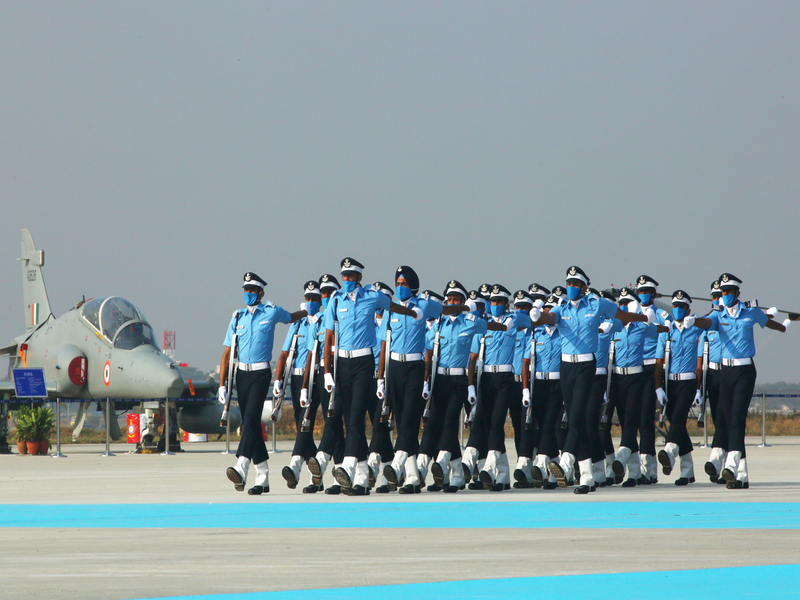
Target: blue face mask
(403, 293)
(679, 313)
(623, 307)
(325, 302)
(573, 293)
(497, 309)
(729, 300)
(250, 298)
(349, 286)
(313, 307)
(645, 299)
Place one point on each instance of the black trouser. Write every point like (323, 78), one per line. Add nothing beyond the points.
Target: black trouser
(647, 423)
(680, 396)
(593, 412)
(547, 406)
(576, 387)
(404, 387)
(252, 388)
(528, 438)
(605, 434)
(432, 430)
(496, 392)
(627, 391)
(304, 445)
(381, 442)
(517, 413)
(736, 386)
(479, 430)
(449, 393)
(720, 428)
(332, 442)
(354, 391)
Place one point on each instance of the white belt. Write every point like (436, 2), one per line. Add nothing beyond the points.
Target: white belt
(713, 366)
(576, 358)
(299, 371)
(355, 353)
(545, 375)
(260, 366)
(454, 371)
(682, 376)
(406, 357)
(498, 368)
(601, 371)
(649, 361)
(736, 362)
(628, 370)
(518, 378)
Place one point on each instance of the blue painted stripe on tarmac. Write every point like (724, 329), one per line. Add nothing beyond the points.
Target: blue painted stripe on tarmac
(417, 515)
(779, 581)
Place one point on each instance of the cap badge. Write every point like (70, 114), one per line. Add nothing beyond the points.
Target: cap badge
(496, 289)
(725, 278)
(573, 271)
(346, 263)
(310, 286)
(520, 295)
(484, 288)
(679, 295)
(642, 280)
(324, 278)
(452, 283)
(247, 277)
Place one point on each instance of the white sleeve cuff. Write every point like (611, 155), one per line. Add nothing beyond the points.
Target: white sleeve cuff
(417, 313)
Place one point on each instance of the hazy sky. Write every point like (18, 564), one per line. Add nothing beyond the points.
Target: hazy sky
(158, 151)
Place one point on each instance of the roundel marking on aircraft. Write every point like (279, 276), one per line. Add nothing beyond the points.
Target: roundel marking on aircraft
(107, 373)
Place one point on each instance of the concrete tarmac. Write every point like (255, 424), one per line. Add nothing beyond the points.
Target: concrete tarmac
(130, 562)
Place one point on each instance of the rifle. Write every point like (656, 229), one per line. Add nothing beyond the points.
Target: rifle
(529, 410)
(306, 426)
(701, 417)
(479, 368)
(385, 408)
(426, 414)
(667, 352)
(232, 363)
(605, 416)
(332, 397)
(287, 374)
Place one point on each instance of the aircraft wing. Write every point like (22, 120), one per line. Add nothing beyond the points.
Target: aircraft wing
(10, 350)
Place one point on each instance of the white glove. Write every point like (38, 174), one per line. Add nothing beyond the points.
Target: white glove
(539, 303)
(535, 314)
(772, 312)
(633, 307)
(426, 391)
(698, 398)
(304, 306)
(329, 382)
(688, 321)
(661, 396)
(651, 315)
(786, 323)
(605, 398)
(472, 397)
(222, 394)
(526, 397)
(471, 305)
(304, 398)
(605, 327)
(669, 324)
(277, 388)
(381, 389)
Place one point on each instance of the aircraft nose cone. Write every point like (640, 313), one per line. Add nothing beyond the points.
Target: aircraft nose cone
(175, 385)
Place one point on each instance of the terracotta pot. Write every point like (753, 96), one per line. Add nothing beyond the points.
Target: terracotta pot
(22, 447)
(44, 446)
(33, 448)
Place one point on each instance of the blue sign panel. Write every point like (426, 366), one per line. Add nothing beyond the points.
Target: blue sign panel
(29, 383)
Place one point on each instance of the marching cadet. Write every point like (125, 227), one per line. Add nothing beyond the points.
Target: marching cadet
(524, 434)
(353, 310)
(547, 401)
(605, 361)
(497, 387)
(628, 379)
(331, 445)
(680, 371)
(254, 327)
(719, 444)
(578, 321)
(646, 288)
(296, 347)
(738, 372)
(381, 450)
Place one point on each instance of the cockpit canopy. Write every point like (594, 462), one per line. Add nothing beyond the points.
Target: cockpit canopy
(119, 322)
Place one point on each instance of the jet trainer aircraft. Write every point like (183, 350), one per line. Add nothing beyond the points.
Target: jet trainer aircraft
(101, 348)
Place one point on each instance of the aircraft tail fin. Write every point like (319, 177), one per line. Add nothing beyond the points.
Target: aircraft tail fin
(37, 306)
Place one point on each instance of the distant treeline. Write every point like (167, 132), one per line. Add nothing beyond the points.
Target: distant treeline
(781, 387)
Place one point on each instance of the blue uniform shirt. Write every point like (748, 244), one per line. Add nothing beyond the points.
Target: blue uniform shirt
(376, 349)
(683, 349)
(629, 344)
(256, 331)
(578, 325)
(548, 349)
(499, 345)
(316, 331)
(301, 351)
(455, 339)
(736, 331)
(604, 343)
(356, 317)
(408, 335)
(651, 343)
(714, 346)
(523, 341)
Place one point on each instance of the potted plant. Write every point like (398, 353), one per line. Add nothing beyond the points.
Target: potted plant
(24, 433)
(42, 423)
